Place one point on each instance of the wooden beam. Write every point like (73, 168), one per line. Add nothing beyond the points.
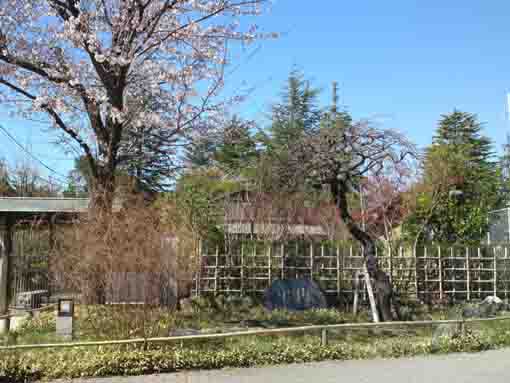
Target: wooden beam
(265, 332)
(5, 272)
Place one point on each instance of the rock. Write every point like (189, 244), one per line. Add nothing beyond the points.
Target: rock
(294, 295)
(492, 300)
(471, 312)
(491, 306)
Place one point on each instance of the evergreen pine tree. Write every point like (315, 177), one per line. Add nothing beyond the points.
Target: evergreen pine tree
(460, 161)
(237, 150)
(297, 113)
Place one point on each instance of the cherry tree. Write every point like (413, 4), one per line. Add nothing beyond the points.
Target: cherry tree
(387, 202)
(338, 157)
(88, 66)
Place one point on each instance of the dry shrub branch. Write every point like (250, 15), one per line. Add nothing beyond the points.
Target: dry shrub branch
(128, 269)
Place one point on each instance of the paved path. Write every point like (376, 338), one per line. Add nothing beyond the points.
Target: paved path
(491, 366)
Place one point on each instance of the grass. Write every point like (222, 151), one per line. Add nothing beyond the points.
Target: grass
(243, 352)
(123, 322)
(230, 352)
(107, 322)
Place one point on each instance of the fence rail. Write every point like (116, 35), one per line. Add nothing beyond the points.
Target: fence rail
(433, 273)
(268, 332)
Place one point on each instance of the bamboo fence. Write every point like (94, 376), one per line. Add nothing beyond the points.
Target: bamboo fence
(453, 274)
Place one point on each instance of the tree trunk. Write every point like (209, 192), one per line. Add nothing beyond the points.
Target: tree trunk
(382, 285)
(102, 194)
(100, 210)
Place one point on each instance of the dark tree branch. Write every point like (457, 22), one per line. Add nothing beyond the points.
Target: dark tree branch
(59, 122)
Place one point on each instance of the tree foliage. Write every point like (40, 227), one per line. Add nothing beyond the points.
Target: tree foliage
(297, 112)
(461, 183)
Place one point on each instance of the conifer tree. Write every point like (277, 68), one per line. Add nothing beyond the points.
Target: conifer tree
(296, 113)
(460, 168)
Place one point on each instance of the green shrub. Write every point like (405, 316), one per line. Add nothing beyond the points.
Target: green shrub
(14, 368)
(130, 360)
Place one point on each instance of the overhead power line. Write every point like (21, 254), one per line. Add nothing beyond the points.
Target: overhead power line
(31, 155)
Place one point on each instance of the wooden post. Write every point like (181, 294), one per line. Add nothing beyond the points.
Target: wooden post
(505, 272)
(495, 272)
(479, 273)
(338, 275)
(311, 261)
(282, 261)
(468, 276)
(270, 265)
(324, 337)
(53, 245)
(426, 272)
(356, 292)
(5, 272)
(242, 269)
(416, 285)
(452, 256)
(216, 272)
(199, 269)
(440, 265)
(371, 297)
(390, 264)
(255, 287)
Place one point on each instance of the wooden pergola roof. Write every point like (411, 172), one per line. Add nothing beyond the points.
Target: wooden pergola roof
(25, 208)
(26, 205)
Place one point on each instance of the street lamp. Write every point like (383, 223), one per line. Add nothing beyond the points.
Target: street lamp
(65, 317)
(65, 307)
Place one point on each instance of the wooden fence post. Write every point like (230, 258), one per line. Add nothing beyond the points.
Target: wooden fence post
(311, 261)
(216, 271)
(295, 264)
(479, 273)
(452, 256)
(270, 265)
(255, 262)
(495, 272)
(282, 261)
(505, 272)
(356, 292)
(415, 256)
(6, 269)
(468, 276)
(426, 273)
(390, 263)
(199, 269)
(242, 269)
(338, 275)
(440, 265)
(324, 337)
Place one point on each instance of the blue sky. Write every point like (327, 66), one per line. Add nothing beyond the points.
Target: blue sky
(403, 63)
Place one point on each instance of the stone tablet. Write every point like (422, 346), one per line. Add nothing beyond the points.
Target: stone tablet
(294, 295)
